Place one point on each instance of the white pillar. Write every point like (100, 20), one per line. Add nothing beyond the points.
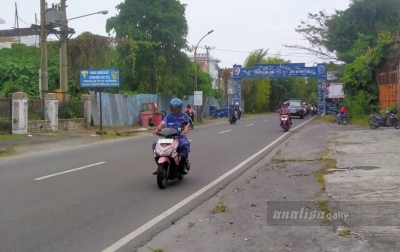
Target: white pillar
(87, 109)
(19, 113)
(51, 110)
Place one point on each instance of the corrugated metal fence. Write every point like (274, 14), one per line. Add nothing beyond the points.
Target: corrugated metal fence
(124, 110)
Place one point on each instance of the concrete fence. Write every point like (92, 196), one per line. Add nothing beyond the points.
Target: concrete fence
(51, 122)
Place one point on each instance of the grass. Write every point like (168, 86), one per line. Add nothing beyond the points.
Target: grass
(8, 152)
(323, 206)
(360, 121)
(257, 114)
(219, 208)
(12, 136)
(191, 224)
(345, 232)
(330, 163)
(156, 250)
(326, 118)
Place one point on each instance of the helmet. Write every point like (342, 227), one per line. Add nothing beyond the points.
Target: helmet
(188, 106)
(236, 104)
(175, 103)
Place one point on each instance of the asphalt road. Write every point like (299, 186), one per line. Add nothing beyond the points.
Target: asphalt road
(86, 199)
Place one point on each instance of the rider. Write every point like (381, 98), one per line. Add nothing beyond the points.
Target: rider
(176, 119)
(343, 111)
(189, 111)
(285, 111)
(237, 108)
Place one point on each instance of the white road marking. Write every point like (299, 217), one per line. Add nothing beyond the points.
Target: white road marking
(249, 125)
(190, 140)
(224, 131)
(265, 121)
(170, 211)
(76, 169)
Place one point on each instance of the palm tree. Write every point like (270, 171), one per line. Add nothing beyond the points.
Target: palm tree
(256, 92)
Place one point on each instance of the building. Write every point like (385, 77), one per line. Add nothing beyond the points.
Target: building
(5, 42)
(209, 65)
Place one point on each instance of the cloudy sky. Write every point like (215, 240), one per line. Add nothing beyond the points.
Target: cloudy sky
(239, 26)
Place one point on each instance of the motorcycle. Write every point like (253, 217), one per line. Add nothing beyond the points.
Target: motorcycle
(344, 120)
(312, 112)
(233, 117)
(167, 157)
(285, 123)
(191, 119)
(388, 120)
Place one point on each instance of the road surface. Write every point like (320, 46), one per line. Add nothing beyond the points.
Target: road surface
(88, 198)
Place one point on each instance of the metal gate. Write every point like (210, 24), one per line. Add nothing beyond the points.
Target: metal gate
(5, 116)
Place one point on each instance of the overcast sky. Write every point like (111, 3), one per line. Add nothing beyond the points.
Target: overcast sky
(240, 26)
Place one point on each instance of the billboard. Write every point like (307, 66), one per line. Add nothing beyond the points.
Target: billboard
(334, 90)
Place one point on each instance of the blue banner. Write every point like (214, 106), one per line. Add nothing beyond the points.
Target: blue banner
(237, 91)
(279, 71)
(321, 97)
(99, 78)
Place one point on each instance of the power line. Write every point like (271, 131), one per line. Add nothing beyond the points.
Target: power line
(22, 20)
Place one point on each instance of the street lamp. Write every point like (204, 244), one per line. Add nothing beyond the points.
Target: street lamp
(104, 12)
(63, 51)
(195, 69)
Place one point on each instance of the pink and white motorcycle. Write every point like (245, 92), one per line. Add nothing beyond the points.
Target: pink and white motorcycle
(167, 157)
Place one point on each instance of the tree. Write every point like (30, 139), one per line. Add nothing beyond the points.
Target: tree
(333, 36)
(226, 78)
(161, 22)
(256, 92)
(19, 69)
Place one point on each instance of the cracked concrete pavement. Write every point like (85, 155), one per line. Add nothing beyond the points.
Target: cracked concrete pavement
(367, 170)
(367, 181)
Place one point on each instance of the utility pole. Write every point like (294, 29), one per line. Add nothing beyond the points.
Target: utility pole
(208, 58)
(44, 83)
(63, 53)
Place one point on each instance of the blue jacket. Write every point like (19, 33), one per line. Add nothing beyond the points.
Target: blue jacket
(175, 121)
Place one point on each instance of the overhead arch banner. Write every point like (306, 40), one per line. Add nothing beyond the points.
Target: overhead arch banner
(288, 70)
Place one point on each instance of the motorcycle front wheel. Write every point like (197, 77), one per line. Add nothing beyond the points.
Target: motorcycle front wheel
(162, 176)
(371, 123)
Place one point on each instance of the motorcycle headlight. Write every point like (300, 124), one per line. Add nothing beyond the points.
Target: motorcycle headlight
(158, 152)
(167, 152)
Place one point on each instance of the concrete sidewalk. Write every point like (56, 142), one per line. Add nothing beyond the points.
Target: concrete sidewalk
(304, 168)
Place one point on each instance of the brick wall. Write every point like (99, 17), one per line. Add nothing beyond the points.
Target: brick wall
(63, 124)
(39, 126)
(71, 124)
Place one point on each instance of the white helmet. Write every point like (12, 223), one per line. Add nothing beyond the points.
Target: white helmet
(236, 103)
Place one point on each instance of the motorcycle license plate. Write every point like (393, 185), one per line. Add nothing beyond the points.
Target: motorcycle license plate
(165, 141)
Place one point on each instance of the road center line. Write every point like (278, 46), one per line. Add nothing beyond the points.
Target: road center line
(224, 131)
(265, 121)
(173, 209)
(76, 169)
(249, 125)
